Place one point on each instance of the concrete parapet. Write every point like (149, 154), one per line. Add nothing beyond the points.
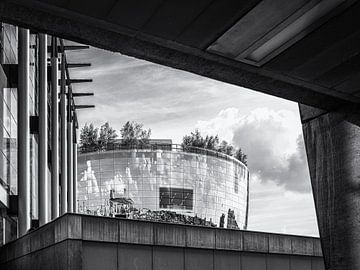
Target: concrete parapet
(67, 227)
(280, 244)
(135, 232)
(302, 246)
(256, 241)
(229, 239)
(82, 242)
(98, 229)
(169, 235)
(200, 237)
(43, 237)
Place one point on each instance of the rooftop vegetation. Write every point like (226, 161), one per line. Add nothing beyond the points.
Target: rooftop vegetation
(99, 139)
(195, 139)
(133, 133)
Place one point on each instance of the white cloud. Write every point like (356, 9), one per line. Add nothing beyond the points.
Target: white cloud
(271, 139)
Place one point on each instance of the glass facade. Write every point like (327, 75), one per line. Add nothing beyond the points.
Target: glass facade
(8, 113)
(9, 118)
(187, 183)
(10, 217)
(8, 126)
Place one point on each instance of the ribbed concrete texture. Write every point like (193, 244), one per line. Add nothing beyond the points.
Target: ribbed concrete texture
(87, 242)
(333, 150)
(215, 39)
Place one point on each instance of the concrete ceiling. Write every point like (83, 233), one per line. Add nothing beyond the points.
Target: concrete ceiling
(302, 50)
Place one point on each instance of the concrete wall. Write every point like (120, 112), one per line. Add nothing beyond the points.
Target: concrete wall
(88, 242)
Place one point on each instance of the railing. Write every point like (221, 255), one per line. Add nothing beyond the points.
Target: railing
(162, 147)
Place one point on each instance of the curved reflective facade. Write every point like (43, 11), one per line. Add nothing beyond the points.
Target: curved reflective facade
(187, 183)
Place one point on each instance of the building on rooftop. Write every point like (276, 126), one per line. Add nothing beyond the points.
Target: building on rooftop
(161, 177)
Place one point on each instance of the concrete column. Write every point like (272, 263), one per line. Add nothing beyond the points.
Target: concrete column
(63, 135)
(24, 219)
(54, 131)
(332, 143)
(43, 131)
(75, 207)
(70, 194)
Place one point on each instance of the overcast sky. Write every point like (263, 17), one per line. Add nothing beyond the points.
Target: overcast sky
(173, 103)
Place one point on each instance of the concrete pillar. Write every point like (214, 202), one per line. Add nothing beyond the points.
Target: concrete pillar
(332, 141)
(63, 135)
(70, 194)
(54, 131)
(24, 219)
(75, 207)
(43, 131)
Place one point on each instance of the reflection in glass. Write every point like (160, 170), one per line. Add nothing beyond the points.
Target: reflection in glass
(164, 185)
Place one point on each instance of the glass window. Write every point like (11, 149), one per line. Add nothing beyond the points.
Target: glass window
(176, 198)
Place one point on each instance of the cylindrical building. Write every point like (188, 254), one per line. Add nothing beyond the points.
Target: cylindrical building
(164, 178)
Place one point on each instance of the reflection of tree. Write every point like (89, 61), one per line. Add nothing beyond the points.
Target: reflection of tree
(117, 185)
(90, 179)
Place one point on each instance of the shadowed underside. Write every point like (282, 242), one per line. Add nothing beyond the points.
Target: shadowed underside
(301, 50)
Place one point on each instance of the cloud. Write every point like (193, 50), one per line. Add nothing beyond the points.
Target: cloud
(271, 139)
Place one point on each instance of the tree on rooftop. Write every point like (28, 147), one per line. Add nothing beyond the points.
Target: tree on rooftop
(195, 139)
(107, 136)
(133, 133)
(88, 138)
(241, 156)
(226, 148)
(212, 142)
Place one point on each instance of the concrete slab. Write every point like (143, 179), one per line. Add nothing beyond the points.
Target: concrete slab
(99, 256)
(168, 258)
(134, 257)
(199, 259)
(253, 261)
(278, 262)
(227, 260)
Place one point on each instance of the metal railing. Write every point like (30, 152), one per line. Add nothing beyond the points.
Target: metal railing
(160, 147)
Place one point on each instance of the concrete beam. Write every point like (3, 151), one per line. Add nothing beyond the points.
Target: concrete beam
(84, 29)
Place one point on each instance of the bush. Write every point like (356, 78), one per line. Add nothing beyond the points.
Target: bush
(195, 139)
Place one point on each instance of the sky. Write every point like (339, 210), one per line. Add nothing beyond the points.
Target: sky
(173, 103)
